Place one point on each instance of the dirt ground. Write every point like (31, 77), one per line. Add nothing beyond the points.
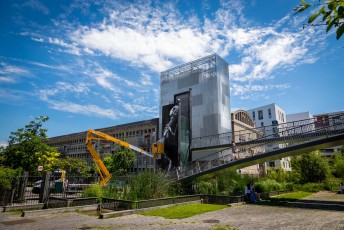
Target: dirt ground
(248, 216)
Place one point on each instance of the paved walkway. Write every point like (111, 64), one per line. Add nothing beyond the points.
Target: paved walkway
(247, 216)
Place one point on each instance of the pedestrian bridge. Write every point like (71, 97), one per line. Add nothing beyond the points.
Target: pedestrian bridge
(256, 146)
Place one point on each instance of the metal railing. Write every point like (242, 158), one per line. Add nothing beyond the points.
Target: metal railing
(269, 140)
(310, 126)
(29, 190)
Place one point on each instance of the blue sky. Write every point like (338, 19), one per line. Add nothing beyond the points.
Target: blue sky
(93, 64)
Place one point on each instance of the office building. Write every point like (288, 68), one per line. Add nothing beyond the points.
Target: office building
(141, 134)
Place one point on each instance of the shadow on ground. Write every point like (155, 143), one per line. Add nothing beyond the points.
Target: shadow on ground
(321, 201)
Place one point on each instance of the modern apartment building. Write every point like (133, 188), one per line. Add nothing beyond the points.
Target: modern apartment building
(299, 116)
(274, 116)
(141, 134)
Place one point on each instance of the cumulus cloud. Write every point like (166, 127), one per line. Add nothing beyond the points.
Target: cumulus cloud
(152, 36)
(159, 36)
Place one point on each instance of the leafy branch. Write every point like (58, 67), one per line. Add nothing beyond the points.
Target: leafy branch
(332, 12)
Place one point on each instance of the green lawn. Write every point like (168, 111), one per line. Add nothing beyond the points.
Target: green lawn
(184, 211)
(293, 196)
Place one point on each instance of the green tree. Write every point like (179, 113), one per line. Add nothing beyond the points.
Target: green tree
(338, 163)
(311, 167)
(330, 13)
(8, 178)
(27, 148)
(120, 161)
(73, 166)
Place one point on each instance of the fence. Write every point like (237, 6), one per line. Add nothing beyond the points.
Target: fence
(45, 188)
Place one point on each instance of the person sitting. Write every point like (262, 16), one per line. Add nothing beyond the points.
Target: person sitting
(341, 188)
(248, 192)
(254, 193)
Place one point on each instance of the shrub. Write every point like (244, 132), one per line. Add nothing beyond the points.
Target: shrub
(149, 185)
(232, 183)
(268, 186)
(206, 187)
(311, 187)
(95, 190)
(9, 178)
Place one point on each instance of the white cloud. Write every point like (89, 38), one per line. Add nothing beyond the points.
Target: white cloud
(37, 5)
(62, 88)
(70, 48)
(3, 143)
(89, 110)
(38, 39)
(6, 69)
(7, 80)
(242, 90)
(146, 79)
(158, 36)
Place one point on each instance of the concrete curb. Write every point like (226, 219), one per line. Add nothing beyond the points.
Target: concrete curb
(61, 210)
(236, 204)
(23, 207)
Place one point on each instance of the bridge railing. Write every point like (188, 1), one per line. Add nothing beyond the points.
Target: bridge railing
(289, 136)
(272, 131)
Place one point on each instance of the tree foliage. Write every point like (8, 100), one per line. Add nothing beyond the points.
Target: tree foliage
(338, 163)
(331, 12)
(120, 161)
(311, 167)
(8, 178)
(27, 148)
(73, 166)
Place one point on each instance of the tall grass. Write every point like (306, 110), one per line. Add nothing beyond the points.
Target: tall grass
(150, 185)
(146, 185)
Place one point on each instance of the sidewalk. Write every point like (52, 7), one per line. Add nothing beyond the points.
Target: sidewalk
(248, 216)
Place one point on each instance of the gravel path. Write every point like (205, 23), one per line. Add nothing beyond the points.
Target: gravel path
(247, 216)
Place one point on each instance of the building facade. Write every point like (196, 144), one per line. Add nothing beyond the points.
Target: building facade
(321, 120)
(201, 88)
(274, 116)
(141, 134)
(244, 129)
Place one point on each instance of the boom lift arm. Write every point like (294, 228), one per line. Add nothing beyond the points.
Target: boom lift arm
(96, 135)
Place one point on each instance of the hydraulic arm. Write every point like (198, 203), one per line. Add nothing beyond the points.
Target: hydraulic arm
(96, 135)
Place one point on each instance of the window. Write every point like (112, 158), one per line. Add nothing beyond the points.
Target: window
(261, 124)
(254, 115)
(260, 114)
(274, 122)
(269, 111)
(272, 164)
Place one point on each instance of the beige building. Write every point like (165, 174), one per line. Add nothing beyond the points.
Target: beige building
(141, 134)
(244, 129)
